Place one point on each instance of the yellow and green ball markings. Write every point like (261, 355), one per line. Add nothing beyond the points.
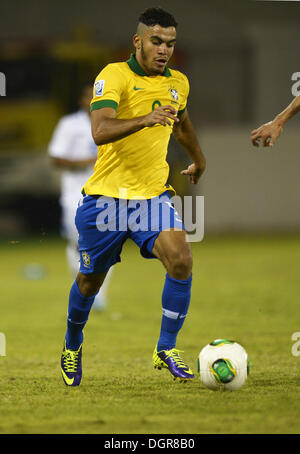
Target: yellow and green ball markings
(220, 342)
(223, 371)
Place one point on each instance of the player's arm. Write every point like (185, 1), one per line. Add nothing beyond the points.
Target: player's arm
(185, 134)
(269, 132)
(65, 164)
(106, 128)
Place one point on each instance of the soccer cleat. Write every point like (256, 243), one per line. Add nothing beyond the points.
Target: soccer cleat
(71, 369)
(171, 360)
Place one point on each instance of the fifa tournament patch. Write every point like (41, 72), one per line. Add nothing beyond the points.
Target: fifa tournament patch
(99, 87)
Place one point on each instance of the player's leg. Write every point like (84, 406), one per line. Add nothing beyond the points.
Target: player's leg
(81, 299)
(73, 258)
(99, 250)
(100, 301)
(172, 249)
(166, 240)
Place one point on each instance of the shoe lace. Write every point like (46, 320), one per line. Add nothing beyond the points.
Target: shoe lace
(174, 354)
(70, 359)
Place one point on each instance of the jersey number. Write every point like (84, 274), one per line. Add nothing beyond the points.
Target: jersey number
(156, 104)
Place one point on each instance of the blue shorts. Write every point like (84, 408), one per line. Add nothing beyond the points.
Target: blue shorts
(105, 223)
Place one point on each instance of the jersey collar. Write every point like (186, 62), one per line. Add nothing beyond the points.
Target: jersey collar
(136, 68)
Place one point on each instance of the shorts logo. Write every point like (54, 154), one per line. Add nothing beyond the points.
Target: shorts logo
(86, 259)
(99, 87)
(174, 94)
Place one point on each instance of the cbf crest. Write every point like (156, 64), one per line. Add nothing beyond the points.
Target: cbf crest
(86, 259)
(174, 94)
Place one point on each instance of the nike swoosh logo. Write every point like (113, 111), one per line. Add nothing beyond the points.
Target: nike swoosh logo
(189, 371)
(68, 380)
(137, 88)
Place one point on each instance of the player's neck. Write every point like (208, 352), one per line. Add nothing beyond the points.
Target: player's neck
(139, 60)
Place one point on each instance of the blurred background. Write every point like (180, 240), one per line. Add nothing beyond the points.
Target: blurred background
(239, 56)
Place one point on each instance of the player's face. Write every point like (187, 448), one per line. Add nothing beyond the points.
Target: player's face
(155, 48)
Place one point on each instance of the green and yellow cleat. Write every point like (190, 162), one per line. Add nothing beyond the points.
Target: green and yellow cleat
(71, 368)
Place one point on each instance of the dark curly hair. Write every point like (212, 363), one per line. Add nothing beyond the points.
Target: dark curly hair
(157, 16)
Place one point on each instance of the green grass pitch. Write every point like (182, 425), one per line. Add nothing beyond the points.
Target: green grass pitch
(244, 288)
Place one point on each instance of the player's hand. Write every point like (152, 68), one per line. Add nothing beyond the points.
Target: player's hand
(267, 133)
(193, 172)
(162, 115)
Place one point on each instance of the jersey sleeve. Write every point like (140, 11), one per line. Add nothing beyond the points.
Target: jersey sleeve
(186, 90)
(108, 88)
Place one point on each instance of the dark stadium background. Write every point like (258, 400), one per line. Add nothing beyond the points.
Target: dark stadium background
(239, 57)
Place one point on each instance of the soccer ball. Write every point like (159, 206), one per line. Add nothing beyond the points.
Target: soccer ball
(223, 364)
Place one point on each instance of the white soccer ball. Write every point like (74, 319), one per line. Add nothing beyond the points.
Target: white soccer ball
(223, 364)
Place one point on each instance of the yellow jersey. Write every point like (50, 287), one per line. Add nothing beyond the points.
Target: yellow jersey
(135, 167)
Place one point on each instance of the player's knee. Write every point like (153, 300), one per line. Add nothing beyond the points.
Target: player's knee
(88, 284)
(180, 265)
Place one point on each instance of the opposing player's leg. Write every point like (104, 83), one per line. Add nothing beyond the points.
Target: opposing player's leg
(73, 257)
(70, 233)
(101, 299)
(172, 249)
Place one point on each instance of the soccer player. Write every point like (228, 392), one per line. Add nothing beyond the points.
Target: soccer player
(136, 106)
(269, 132)
(73, 151)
